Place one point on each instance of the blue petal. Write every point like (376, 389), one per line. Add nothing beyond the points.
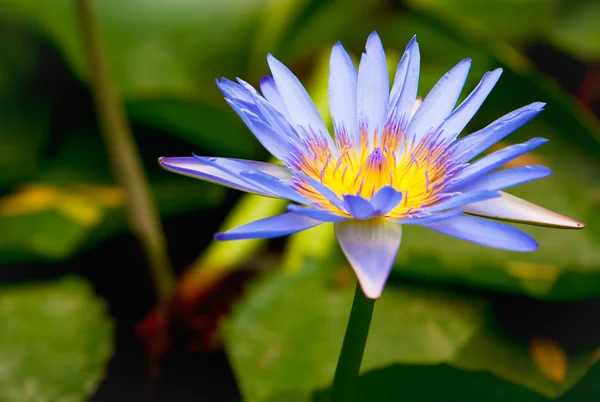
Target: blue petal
(371, 247)
(301, 109)
(270, 183)
(323, 190)
(386, 199)
(359, 207)
(271, 93)
(507, 178)
(215, 171)
(430, 218)
(461, 200)
(317, 214)
(485, 232)
(474, 144)
(342, 93)
(514, 209)
(440, 101)
(233, 90)
(268, 228)
(271, 116)
(373, 87)
(406, 83)
(458, 120)
(274, 142)
(494, 161)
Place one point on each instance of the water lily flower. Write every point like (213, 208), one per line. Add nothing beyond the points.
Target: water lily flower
(391, 161)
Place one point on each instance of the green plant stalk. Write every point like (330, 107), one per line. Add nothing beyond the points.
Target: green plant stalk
(345, 381)
(125, 160)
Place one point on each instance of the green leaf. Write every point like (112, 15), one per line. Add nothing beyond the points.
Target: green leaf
(49, 221)
(55, 341)
(24, 128)
(218, 131)
(578, 31)
(168, 49)
(493, 19)
(74, 202)
(405, 382)
(286, 335)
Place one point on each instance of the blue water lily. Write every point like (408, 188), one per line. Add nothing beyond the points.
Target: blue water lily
(393, 160)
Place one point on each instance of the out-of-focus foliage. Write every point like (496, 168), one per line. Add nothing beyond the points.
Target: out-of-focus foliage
(451, 384)
(287, 335)
(570, 25)
(58, 198)
(55, 341)
(489, 20)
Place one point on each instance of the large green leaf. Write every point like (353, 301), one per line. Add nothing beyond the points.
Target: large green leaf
(406, 382)
(24, 114)
(578, 31)
(217, 130)
(23, 131)
(45, 222)
(493, 20)
(156, 48)
(570, 25)
(75, 202)
(286, 335)
(55, 341)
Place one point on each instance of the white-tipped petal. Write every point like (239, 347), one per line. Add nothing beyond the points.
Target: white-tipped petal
(371, 247)
(507, 207)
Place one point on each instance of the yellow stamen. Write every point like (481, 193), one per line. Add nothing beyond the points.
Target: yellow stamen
(417, 170)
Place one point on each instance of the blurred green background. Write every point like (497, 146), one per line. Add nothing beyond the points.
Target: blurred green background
(264, 321)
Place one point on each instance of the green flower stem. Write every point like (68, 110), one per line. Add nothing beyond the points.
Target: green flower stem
(345, 381)
(125, 160)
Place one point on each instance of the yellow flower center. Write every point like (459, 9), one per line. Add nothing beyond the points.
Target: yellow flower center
(418, 171)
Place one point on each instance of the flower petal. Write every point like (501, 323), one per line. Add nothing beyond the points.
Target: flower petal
(474, 144)
(507, 178)
(269, 183)
(233, 90)
(439, 102)
(271, 94)
(273, 141)
(268, 228)
(301, 109)
(323, 190)
(342, 93)
(386, 199)
(513, 209)
(493, 161)
(406, 82)
(317, 214)
(460, 200)
(359, 207)
(429, 218)
(200, 168)
(371, 247)
(373, 87)
(485, 232)
(460, 117)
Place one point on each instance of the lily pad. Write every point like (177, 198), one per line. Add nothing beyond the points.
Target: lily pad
(55, 342)
(405, 382)
(286, 335)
